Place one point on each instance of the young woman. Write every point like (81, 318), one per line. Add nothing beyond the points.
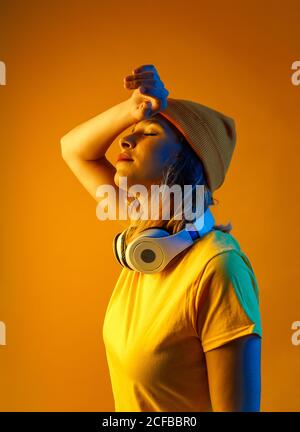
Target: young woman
(187, 338)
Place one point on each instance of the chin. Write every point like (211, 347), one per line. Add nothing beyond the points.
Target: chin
(122, 173)
(116, 177)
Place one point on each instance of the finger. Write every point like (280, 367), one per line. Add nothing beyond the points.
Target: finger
(154, 91)
(160, 95)
(146, 108)
(146, 82)
(143, 68)
(164, 104)
(142, 75)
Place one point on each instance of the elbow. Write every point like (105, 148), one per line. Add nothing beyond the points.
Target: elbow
(65, 148)
(70, 148)
(63, 145)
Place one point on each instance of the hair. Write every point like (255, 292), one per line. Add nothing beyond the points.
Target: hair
(186, 169)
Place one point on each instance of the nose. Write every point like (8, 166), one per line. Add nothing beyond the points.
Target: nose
(127, 142)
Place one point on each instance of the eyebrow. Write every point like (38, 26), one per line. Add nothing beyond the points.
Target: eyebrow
(148, 122)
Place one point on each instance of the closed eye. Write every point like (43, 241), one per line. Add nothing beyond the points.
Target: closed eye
(150, 134)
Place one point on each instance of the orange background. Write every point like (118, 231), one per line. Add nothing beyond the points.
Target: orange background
(65, 64)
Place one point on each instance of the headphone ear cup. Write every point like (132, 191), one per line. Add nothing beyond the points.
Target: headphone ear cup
(121, 248)
(115, 248)
(144, 254)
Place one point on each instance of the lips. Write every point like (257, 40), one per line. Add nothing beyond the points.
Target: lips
(124, 157)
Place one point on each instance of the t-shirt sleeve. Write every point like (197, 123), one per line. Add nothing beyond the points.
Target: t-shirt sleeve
(227, 301)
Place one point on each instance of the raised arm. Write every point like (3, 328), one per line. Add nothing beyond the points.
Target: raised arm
(84, 147)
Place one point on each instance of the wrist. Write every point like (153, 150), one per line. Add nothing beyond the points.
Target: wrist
(126, 112)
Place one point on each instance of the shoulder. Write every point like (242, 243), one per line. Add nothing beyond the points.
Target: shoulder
(228, 263)
(230, 268)
(219, 252)
(229, 276)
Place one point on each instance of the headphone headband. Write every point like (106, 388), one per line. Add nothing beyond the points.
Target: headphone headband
(154, 248)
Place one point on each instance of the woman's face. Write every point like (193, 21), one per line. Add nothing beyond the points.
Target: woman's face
(152, 145)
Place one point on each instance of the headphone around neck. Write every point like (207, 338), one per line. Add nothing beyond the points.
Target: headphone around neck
(154, 248)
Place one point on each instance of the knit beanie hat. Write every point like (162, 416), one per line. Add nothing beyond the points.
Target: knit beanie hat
(210, 133)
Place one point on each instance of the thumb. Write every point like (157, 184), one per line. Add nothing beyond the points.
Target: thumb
(146, 106)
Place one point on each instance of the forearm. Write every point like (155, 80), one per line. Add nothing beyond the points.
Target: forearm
(91, 139)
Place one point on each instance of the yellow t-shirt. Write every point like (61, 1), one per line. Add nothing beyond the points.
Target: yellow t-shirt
(157, 327)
